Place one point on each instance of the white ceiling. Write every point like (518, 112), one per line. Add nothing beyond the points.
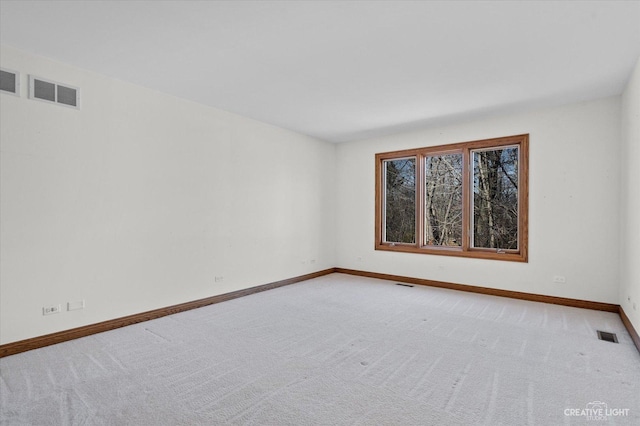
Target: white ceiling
(343, 70)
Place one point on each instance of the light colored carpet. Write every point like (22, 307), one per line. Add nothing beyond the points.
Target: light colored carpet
(337, 350)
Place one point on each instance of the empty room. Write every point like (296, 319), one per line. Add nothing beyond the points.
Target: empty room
(319, 212)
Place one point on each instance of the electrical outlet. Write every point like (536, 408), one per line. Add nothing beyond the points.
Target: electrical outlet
(559, 279)
(52, 309)
(219, 279)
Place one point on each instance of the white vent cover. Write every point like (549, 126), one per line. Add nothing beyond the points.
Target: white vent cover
(9, 81)
(50, 91)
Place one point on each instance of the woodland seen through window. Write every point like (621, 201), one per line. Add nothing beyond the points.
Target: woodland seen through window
(467, 199)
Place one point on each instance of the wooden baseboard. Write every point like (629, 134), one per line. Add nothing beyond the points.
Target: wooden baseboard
(575, 303)
(632, 331)
(87, 330)
(585, 304)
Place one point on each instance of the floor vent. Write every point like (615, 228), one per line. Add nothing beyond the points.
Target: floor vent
(608, 337)
(404, 285)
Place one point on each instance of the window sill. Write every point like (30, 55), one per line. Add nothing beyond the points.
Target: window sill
(455, 252)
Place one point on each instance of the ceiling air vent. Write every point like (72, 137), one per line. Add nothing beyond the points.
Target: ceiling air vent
(9, 81)
(50, 91)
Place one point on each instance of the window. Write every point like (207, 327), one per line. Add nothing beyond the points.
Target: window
(400, 199)
(466, 199)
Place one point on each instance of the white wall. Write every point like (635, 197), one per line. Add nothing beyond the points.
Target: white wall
(573, 215)
(630, 200)
(140, 199)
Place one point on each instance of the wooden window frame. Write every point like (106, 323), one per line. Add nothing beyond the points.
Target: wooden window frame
(465, 250)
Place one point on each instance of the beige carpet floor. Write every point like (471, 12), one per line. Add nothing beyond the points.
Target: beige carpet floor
(336, 350)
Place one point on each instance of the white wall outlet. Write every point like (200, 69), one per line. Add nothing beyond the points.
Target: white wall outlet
(74, 306)
(559, 279)
(219, 279)
(51, 309)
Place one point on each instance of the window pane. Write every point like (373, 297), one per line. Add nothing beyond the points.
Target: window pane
(400, 201)
(443, 200)
(495, 198)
